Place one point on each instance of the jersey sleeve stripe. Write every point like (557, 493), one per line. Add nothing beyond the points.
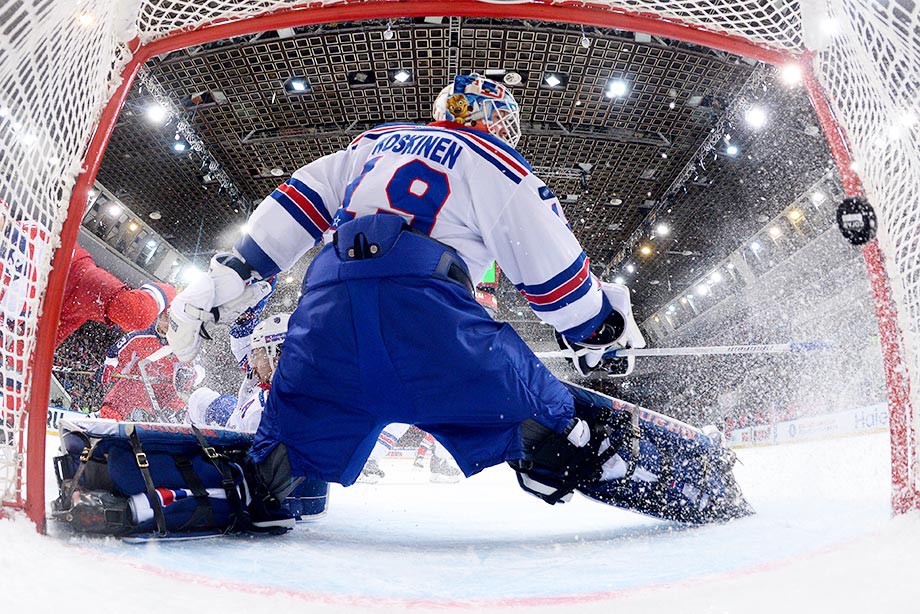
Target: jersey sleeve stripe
(565, 299)
(301, 209)
(313, 197)
(542, 293)
(158, 295)
(256, 257)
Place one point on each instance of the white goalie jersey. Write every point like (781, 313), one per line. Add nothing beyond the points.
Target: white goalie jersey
(462, 187)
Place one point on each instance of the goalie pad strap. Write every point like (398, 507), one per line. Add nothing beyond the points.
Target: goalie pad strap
(85, 457)
(632, 432)
(203, 515)
(226, 481)
(144, 468)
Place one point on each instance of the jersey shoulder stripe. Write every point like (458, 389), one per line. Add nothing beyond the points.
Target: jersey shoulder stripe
(379, 129)
(499, 148)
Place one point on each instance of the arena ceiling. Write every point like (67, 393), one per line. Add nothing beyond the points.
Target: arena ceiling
(656, 154)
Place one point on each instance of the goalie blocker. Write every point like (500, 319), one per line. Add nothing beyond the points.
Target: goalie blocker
(636, 459)
(164, 480)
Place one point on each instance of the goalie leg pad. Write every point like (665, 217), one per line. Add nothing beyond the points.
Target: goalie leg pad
(656, 465)
(132, 478)
(308, 501)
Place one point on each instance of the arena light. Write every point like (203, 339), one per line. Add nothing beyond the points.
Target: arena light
(289, 279)
(702, 290)
(775, 232)
(662, 230)
(755, 246)
(115, 210)
(151, 244)
(794, 215)
(672, 308)
(732, 150)
(616, 88)
(555, 80)
(156, 114)
(361, 78)
(133, 226)
(683, 300)
(619, 280)
(244, 228)
(180, 145)
(715, 277)
(630, 268)
(645, 250)
(297, 85)
(755, 117)
(791, 74)
(190, 273)
(817, 197)
(401, 77)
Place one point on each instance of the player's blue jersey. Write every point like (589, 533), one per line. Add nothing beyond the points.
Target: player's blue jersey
(461, 186)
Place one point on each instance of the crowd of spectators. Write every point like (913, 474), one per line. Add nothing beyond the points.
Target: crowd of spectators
(78, 363)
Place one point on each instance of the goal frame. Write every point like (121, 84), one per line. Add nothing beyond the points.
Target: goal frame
(32, 501)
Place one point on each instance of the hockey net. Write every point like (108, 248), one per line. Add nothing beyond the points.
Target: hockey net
(65, 68)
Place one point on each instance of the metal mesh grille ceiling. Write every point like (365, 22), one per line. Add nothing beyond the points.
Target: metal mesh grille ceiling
(261, 127)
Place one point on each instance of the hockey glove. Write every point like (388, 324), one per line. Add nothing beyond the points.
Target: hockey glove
(220, 296)
(619, 330)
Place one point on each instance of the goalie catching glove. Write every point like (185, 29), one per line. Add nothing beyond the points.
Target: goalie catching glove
(618, 330)
(220, 296)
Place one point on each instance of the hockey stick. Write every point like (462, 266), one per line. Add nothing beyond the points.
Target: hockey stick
(795, 347)
(163, 352)
(72, 371)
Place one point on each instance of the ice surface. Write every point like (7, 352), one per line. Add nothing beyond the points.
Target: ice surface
(822, 541)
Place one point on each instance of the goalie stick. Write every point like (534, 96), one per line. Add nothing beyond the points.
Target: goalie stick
(795, 347)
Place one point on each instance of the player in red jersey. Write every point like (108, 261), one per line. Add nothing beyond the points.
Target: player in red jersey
(129, 398)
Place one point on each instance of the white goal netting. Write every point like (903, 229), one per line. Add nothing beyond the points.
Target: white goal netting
(60, 63)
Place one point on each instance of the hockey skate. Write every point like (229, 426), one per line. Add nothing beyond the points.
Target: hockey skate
(444, 471)
(371, 474)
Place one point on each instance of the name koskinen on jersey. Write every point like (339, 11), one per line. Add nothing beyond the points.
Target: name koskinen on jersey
(441, 149)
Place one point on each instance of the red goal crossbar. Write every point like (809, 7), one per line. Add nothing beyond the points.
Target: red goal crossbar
(576, 13)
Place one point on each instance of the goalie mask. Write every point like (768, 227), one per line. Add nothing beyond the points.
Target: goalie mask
(478, 102)
(266, 343)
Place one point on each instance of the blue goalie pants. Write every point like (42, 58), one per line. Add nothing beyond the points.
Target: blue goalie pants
(386, 332)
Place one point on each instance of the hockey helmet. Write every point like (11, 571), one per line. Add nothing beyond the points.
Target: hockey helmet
(269, 335)
(473, 100)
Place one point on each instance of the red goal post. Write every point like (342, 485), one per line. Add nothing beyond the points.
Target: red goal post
(52, 140)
